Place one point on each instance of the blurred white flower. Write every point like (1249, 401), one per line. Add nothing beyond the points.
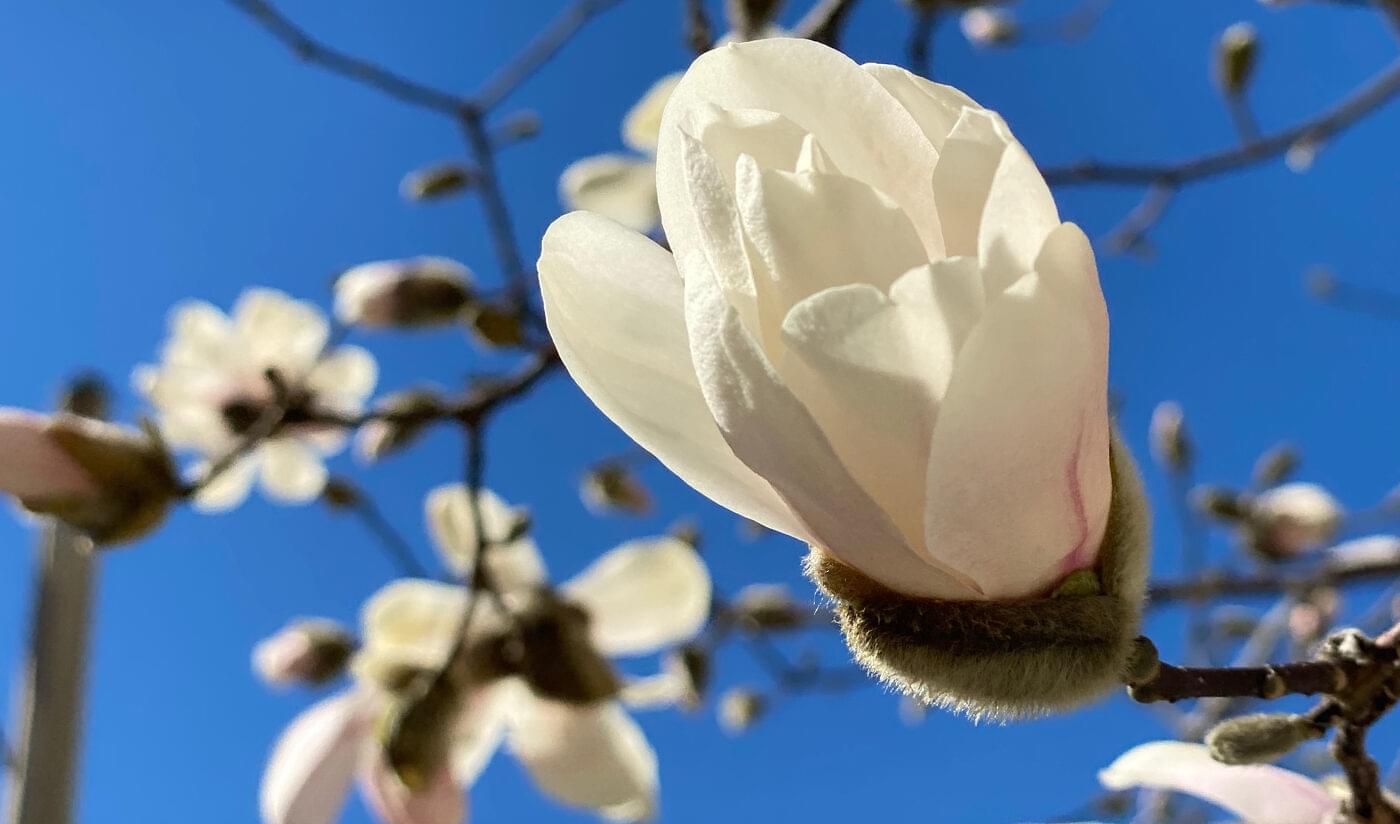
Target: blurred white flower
(415, 292)
(1372, 550)
(211, 388)
(909, 377)
(1293, 518)
(1256, 793)
(107, 480)
(639, 598)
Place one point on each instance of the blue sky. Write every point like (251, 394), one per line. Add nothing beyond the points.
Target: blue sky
(156, 151)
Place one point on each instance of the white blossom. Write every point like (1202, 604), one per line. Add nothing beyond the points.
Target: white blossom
(211, 388)
(873, 332)
(1256, 793)
(1294, 518)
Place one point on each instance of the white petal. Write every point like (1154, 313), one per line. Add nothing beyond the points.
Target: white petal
(33, 464)
(643, 596)
(200, 334)
(310, 770)
(229, 488)
(348, 373)
(481, 727)
(291, 470)
(814, 231)
(277, 331)
(869, 136)
(1018, 485)
(591, 757)
(934, 106)
(872, 370)
(642, 125)
(614, 304)
(1019, 215)
(963, 177)
(514, 565)
(1257, 793)
(775, 435)
(616, 187)
(412, 622)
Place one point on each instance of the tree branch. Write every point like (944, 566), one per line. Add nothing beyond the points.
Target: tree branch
(539, 51)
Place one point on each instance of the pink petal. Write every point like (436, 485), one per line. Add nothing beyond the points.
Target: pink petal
(444, 801)
(33, 465)
(309, 773)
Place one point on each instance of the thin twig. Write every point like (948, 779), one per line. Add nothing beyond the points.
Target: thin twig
(699, 33)
(920, 47)
(546, 44)
(497, 212)
(825, 21)
(307, 48)
(1213, 586)
(395, 546)
(1375, 93)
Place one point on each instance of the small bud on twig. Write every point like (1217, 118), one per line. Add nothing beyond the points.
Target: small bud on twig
(1167, 433)
(740, 708)
(437, 182)
(1260, 739)
(1236, 53)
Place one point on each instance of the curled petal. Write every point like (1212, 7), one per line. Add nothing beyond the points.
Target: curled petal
(592, 757)
(1261, 793)
(617, 187)
(643, 596)
(642, 126)
(310, 771)
(347, 375)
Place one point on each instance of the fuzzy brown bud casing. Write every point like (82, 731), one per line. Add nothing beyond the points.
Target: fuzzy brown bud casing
(1004, 660)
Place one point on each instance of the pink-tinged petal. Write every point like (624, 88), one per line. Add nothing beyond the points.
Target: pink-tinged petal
(871, 138)
(32, 464)
(309, 773)
(615, 307)
(772, 432)
(1023, 428)
(643, 596)
(442, 801)
(591, 757)
(1257, 793)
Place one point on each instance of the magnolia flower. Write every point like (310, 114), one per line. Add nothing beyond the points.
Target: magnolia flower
(112, 482)
(417, 292)
(212, 388)
(873, 333)
(1257, 793)
(1292, 519)
(638, 598)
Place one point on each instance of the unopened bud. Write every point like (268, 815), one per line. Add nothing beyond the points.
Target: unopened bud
(985, 26)
(112, 482)
(311, 651)
(1167, 433)
(1236, 52)
(340, 494)
(556, 656)
(403, 294)
(414, 730)
(1373, 550)
(496, 326)
(1276, 465)
(521, 125)
(740, 708)
(1301, 155)
(1259, 739)
(764, 607)
(436, 182)
(398, 421)
(1292, 519)
(613, 487)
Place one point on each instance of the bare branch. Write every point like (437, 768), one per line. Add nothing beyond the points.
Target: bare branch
(825, 21)
(539, 51)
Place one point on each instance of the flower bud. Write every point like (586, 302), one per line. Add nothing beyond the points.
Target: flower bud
(399, 419)
(1218, 503)
(1014, 658)
(521, 125)
(1167, 433)
(1291, 519)
(1235, 55)
(1302, 154)
(1373, 550)
(111, 482)
(1260, 739)
(496, 326)
(436, 182)
(740, 708)
(1276, 465)
(403, 294)
(985, 26)
(764, 607)
(613, 487)
(557, 658)
(304, 652)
